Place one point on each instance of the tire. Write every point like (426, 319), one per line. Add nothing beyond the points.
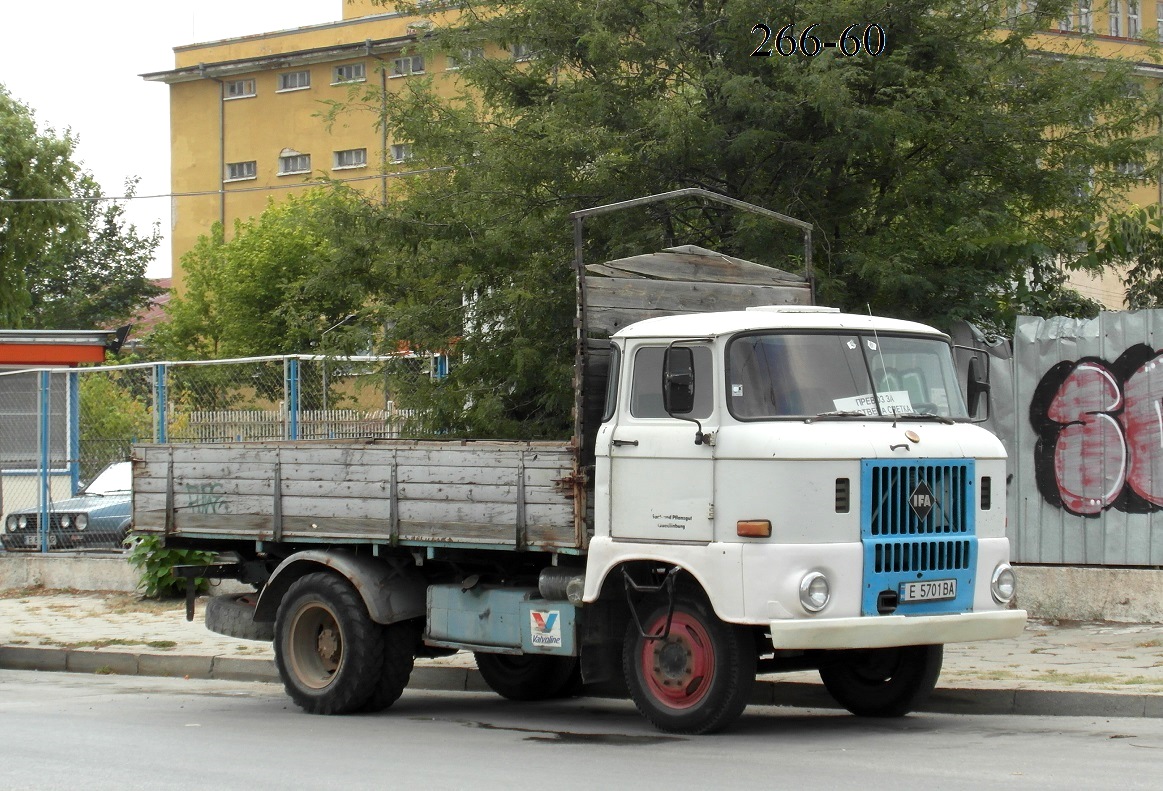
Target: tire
(699, 678)
(400, 643)
(329, 652)
(233, 616)
(883, 682)
(528, 676)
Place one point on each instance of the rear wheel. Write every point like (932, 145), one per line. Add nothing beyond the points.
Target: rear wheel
(695, 680)
(528, 676)
(400, 643)
(329, 652)
(883, 682)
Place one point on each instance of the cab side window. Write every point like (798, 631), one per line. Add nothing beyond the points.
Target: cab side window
(646, 383)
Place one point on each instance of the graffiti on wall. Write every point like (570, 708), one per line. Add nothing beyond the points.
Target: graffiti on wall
(1100, 433)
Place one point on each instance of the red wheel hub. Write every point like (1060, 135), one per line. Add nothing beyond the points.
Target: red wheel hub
(678, 669)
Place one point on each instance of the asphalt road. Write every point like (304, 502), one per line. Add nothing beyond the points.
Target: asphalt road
(72, 731)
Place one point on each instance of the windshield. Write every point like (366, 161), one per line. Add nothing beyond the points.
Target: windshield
(117, 478)
(807, 374)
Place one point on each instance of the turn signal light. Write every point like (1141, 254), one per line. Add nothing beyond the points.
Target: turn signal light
(753, 528)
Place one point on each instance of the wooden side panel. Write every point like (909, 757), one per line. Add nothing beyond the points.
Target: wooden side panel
(698, 264)
(506, 494)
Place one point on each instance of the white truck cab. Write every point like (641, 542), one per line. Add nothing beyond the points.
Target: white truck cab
(823, 481)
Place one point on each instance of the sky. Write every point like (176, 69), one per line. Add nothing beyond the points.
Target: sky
(77, 63)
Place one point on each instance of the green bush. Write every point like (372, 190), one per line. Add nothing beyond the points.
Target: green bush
(155, 562)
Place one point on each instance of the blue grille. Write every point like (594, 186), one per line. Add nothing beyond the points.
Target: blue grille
(918, 524)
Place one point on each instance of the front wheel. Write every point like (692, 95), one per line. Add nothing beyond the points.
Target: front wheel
(698, 678)
(883, 682)
(528, 676)
(329, 652)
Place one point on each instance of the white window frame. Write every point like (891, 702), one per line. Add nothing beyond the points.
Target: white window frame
(248, 171)
(401, 152)
(1085, 17)
(1114, 18)
(349, 158)
(247, 86)
(286, 77)
(521, 51)
(301, 163)
(464, 57)
(405, 66)
(1134, 22)
(358, 72)
(1159, 19)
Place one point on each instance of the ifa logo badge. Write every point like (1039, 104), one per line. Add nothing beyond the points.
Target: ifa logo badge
(546, 628)
(922, 500)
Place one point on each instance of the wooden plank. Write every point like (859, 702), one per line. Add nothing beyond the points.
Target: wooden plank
(687, 296)
(698, 264)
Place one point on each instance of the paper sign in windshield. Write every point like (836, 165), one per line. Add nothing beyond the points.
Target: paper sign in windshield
(896, 402)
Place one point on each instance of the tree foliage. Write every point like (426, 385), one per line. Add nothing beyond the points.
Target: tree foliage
(283, 278)
(64, 264)
(949, 177)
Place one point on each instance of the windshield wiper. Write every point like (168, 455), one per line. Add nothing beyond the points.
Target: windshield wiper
(839, 413)
(926, 416)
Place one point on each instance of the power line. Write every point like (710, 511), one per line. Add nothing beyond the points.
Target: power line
(299, 185)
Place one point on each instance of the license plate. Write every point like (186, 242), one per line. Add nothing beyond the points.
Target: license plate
(32, 541)
(930, 590)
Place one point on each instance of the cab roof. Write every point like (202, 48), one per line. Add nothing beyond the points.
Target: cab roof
(797, 317)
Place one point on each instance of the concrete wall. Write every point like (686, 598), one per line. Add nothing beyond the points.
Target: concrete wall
(82, 572)
(1091, 594)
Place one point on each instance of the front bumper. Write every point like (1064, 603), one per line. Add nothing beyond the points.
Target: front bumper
(886, 631)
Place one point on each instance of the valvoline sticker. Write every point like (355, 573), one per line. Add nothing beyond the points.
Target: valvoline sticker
(545, 626)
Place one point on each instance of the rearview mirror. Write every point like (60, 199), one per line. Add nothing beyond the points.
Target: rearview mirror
(678, 380)
(977, 386)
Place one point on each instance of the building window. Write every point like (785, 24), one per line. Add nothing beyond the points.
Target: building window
(1114, 18)
(1084, 17)
(521, 51)
(1135, 170)
(240, 171)
(401, 152)
(1134, 27)
(294, 162)
(464, 57)
(404, 66)
(1066, 23)
(349, 72)
(294, 80)
(1159, 19)
(351, 158)
(237, 89)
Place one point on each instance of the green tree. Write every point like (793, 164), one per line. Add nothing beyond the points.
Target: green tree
(68, 259)
(944, 175)
(284, 277)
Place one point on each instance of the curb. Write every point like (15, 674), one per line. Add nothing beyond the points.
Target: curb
(455, 679)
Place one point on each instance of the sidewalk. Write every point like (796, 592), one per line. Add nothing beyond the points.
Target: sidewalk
(1085, 669)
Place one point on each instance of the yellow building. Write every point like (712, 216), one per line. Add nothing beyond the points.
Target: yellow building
(245, 115)
(246, 125)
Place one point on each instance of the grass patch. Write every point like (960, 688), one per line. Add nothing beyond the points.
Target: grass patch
(1077, 678)
(161, 644)
(104, 670)
(1151, 644)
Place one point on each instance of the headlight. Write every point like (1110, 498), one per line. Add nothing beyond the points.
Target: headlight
(1004, 584)
(82, 521)
(22, 522)
(66, 521)
(12, 524)
(814, 593)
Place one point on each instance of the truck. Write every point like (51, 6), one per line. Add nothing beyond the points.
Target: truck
(755, 484)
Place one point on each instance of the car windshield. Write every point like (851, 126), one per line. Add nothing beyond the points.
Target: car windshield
(774, 375)
(117, 478)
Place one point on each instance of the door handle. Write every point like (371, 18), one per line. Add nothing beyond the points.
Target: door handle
(620, 442)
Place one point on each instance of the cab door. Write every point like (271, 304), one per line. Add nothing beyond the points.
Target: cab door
(661, 482)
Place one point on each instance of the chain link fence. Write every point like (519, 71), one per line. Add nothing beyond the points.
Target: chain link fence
(61, 430)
